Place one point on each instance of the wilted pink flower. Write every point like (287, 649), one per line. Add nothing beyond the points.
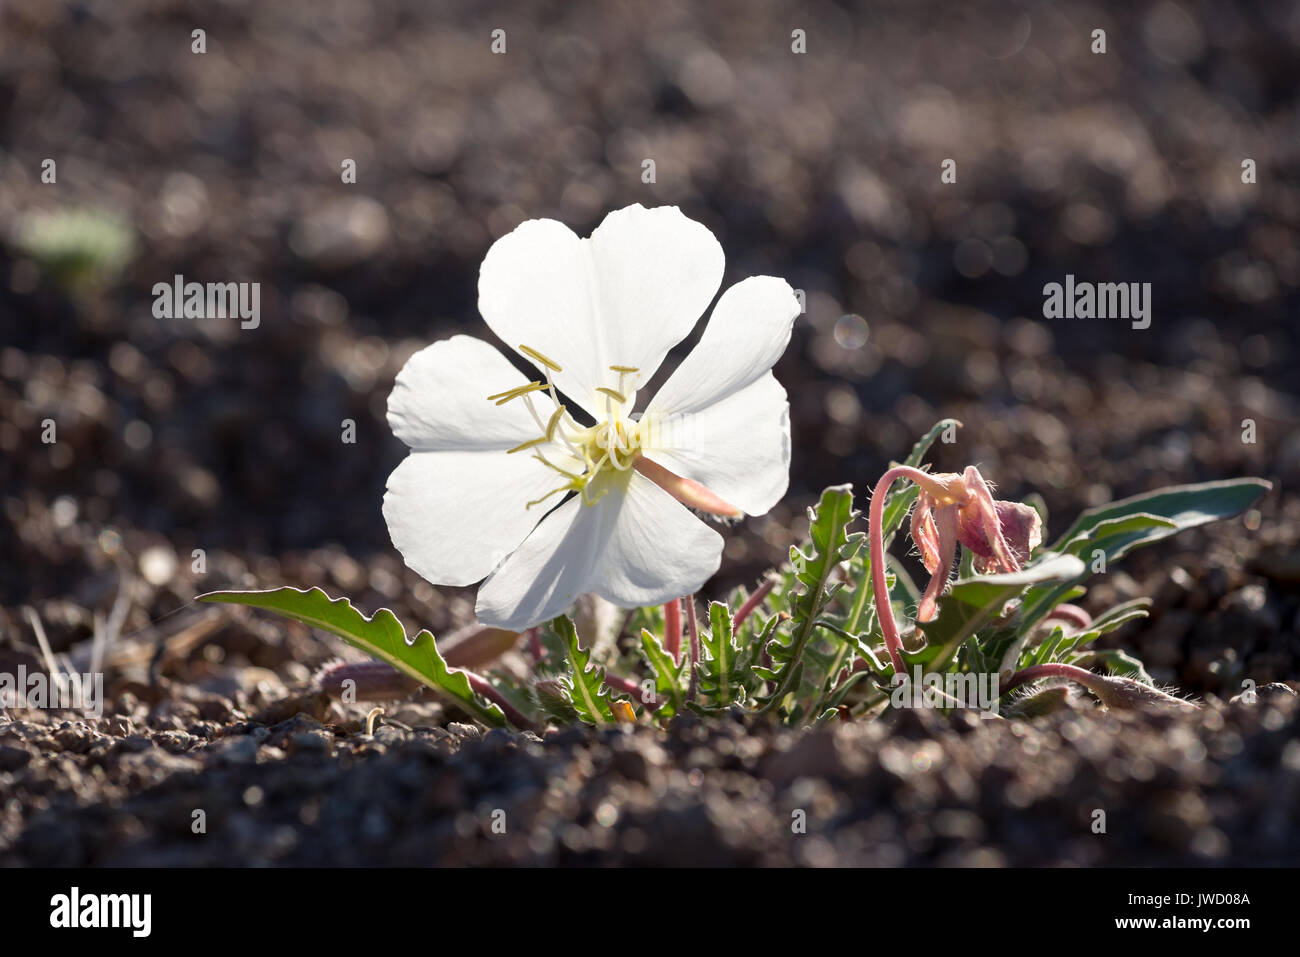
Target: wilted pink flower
(956, 508)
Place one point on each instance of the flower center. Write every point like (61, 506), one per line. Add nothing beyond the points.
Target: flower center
(590, 459)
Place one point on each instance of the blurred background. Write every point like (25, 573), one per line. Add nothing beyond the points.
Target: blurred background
(924, 299)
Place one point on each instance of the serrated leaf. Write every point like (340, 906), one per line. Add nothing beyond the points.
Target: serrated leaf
(585, 684)
(381, 635)
(829, 544)
(719, 670)
(669, 675)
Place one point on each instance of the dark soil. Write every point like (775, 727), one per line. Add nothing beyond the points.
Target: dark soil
(924, 301)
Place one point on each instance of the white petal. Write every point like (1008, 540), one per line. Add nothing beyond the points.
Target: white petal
(738, 448)
(439, 400)
(455, 515)
(633, 549)
(535, 288)
(748, 331)
(656, 272)
(623, 297)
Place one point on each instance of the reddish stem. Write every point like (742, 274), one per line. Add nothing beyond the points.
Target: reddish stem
(673, 629)
(693, 629)
(629, 686)
(879, 587)
(1114, 691)
(1071, 615)
(1056, 669)
(754, 600)
(371, 680)
(482, 686)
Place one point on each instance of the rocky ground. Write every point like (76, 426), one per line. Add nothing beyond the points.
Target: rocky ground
(924, 300)
(1218, 788)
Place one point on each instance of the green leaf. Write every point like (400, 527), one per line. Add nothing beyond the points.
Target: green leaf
(381, 635)
(553, 699)
(669, 675)
(983, 589)
(1120, 614)
(585, 684)
(1182, 506)
(839, 694)
(720, 669)
(972, 603)
(1120, 663)
(1103, 624)
(1044, 651)
(857, 643)
(1119, 527)
(829, 545)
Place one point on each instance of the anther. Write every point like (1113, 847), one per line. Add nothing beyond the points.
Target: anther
(612, 394)
(537, 356)
(501, 398)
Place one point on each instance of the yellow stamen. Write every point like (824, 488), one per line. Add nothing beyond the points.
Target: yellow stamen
(588, 500)
(624, 369)
(554, 423)
(539, 501)
(547, 462)
(612, 394)
(532, 444)
(501, 398)
(537, 356)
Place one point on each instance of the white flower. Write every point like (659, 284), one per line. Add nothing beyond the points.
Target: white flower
(492, 451)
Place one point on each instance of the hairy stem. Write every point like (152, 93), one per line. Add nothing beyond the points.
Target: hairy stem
(1114, 691)
(1054, 669)
(875, 532)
